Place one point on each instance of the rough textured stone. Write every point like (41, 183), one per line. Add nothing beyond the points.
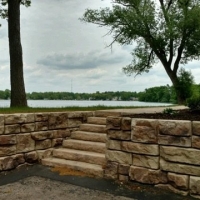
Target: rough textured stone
(61, 133)
(175, 127)
(1, 120)
(41, 117)
(126, 124)
(149, 176)
(42, 135)
(194, 185)
(196, 128)
(57, 142)
(123, 178)
(1, 130)
(74, 122)
(6, 163)
(58, 120)
(180, 155)
(172, 189)
(179, 168)
(118, 156)
(151, 162)
(119, 135)
(178, 181)
(44, 144)
(196, 142)
(174, 140)
(7, 139)
(111, 170)
(31, 157)
(18, 159)
(113, 144)
(44, 153)
(11, 129)
(147, 149)
(25, 143)
(123, 169)
(72, 115)
(26, 128)
(7, 150)
(144, 130)
(41, 126)
(113, 123)
(19, 118)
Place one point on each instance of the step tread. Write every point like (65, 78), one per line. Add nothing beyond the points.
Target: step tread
(96, 120)
(93, 128)
(85, 142)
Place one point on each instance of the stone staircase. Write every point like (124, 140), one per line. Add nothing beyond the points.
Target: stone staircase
(85, 150)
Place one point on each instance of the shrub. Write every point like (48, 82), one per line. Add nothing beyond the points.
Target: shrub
(194, 102)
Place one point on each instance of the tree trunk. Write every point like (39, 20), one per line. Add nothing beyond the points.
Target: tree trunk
(18, 94)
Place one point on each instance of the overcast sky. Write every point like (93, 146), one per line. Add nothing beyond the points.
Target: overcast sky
(61, 53)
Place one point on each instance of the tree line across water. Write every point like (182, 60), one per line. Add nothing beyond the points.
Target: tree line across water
(165, 94)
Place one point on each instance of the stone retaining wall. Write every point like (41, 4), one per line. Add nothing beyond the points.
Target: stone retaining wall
(164, 153)
(26, 138)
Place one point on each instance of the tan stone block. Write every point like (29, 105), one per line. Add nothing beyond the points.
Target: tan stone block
(126, 124)
(57, 142)
(8, 150)
(178, 181)
(58, 120)
(26, 128)
(42, 135)
(19, 118)
(196, 128)
(144, 130)
(118, 156)
(77, 114)
(111, 170)
(147, 149)
(1, 130)
(174, 141)
(179, 168)
(113, 122)
(172, 189)
(123, 178)
(41, 126)
(149, 176)
(1, 120)
(119, 135)
(6, 163)
(151, 162)
(74, 122)
(7, 139)
(113, 144)
(175, 127)
(61, 133)
(25, 143)
(196, 142)
(180, 155)
(11, 129)
(31, 157)
(194, 185)
(41, 117)
(123, 169)
(43, 144)
(44, 153)
(18, 159)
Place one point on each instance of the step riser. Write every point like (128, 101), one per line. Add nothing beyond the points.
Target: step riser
(79, 157)
(96, 120)
(93, 128)
(89, 137)
(91, 171)
(84, 147)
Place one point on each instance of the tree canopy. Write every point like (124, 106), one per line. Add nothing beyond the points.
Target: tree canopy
(162, 30)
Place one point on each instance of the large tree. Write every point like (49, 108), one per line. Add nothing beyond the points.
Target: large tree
(11, 10)
(162, 30)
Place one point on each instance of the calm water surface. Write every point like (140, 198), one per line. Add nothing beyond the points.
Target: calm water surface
(68, 103)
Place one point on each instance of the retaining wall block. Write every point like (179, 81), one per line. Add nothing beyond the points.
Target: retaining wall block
(123, 169)
(8, 139)
(31, 157)
(42, 135)
(126, 124)
(196, 128)
(6, 163)
(26, 128)
(196, 142)
(57, 142)
(12, 129)
(43, 144)
(113, 123)
(119, 134)
(44, 153)
(7, 150)
(111, 170)
(62, 133)
(74, 122)
(41, 117)
(41, 126)
(113, 144)
(195, 185)
(19, 118)
(2, 130)
(58, 120)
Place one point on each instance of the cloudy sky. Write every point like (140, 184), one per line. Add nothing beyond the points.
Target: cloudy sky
(61, 53)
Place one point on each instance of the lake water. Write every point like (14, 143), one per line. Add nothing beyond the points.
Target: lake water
(68, 103)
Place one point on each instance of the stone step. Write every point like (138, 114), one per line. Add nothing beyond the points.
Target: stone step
(106, 113)
(98, 147)
(89, 136)
(87, 168)
(93, 128)
(96, 120)
(83, 156)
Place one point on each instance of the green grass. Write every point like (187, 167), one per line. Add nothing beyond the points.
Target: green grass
(62, 109)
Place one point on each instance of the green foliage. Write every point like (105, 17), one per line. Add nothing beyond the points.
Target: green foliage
(194, 102)
(169, 111)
